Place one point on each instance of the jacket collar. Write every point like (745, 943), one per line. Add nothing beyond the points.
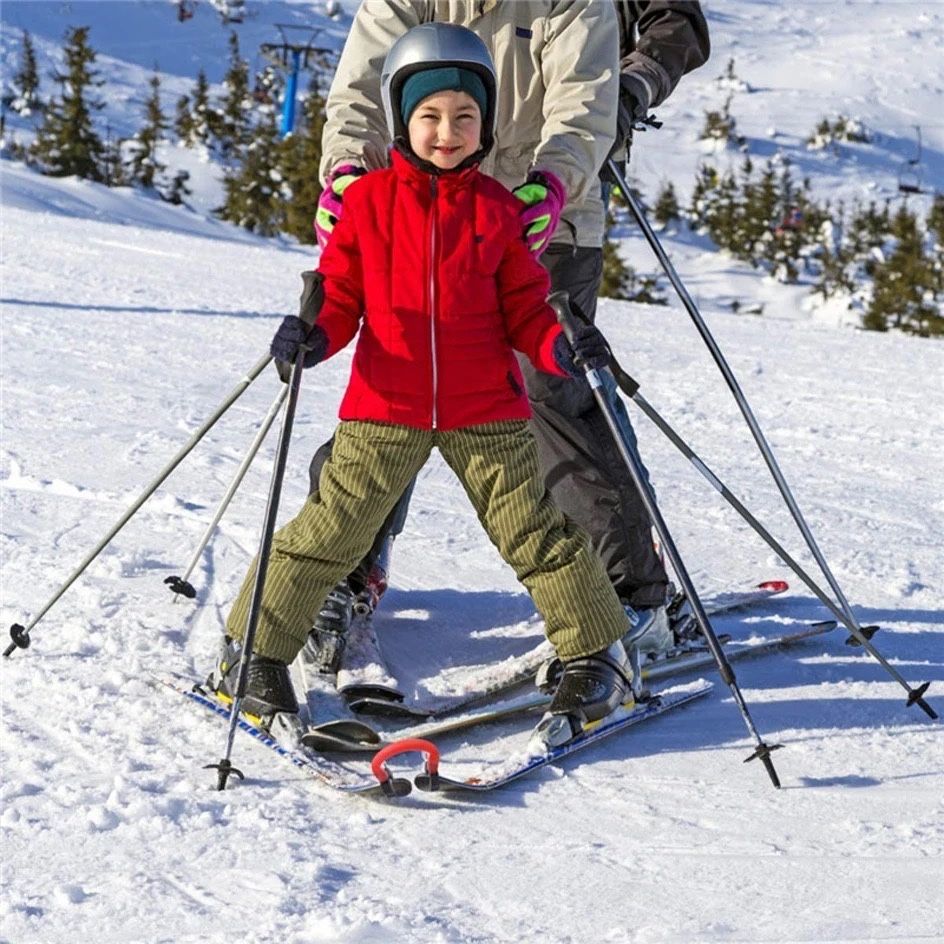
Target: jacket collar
(410, 168)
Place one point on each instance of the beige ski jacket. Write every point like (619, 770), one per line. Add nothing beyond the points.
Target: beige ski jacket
(557, 63)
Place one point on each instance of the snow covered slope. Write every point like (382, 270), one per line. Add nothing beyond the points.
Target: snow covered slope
(126, 322)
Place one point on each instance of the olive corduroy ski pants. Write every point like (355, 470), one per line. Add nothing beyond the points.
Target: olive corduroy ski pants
(370, 465)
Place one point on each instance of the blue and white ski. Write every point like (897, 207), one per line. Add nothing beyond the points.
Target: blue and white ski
(520, 764)
(284, 740)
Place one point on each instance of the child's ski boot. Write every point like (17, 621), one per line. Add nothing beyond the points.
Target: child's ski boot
(268, 687)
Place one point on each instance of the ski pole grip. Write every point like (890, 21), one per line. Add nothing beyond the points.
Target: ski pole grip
(312, 297)
(560, 302)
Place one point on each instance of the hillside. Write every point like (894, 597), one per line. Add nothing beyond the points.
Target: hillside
(126, 321)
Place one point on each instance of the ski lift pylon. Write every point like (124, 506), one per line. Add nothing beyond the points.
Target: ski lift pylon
(292, 57)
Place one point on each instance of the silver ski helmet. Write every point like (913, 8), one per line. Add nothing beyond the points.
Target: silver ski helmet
(435, 45)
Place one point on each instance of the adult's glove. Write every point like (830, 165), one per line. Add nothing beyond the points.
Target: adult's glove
(588, 348)
(543, 196)
(329, 203)
(633, 106)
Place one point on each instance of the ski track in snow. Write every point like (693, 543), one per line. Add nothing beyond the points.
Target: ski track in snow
(126, 322)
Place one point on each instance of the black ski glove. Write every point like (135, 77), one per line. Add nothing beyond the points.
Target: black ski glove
(633, 106)
(589, 348)
(291, 335)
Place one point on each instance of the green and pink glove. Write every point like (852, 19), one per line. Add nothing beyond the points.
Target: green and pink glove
(329, 203)
(543, 196)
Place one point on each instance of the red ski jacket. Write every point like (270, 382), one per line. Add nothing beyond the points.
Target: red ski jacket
(434, 271)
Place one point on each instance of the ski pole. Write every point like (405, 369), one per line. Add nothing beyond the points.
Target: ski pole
(20, 634)
(915, 695)
(631, 388)
(181, 585)
(311, 293)
(560, 302)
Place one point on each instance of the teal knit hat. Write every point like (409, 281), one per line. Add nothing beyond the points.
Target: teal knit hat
(421, 85)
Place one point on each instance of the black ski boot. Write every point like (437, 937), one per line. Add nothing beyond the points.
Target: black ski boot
(268, 687)
(326, 639)
(590, 688)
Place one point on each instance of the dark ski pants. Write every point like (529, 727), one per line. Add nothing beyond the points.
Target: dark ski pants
(369, 467)
(582, 468)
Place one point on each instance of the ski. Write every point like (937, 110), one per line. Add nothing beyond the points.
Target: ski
(364, 674)
(363, 684)
(494, 679)
(285, 740)
(355, 737)
(491, 776)
(693, 659)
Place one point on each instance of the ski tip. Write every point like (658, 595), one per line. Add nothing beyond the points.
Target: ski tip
(774, 586)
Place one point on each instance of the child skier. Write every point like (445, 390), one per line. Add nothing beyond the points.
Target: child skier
(428, 261)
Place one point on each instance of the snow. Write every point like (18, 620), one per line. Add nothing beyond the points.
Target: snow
(126, 322)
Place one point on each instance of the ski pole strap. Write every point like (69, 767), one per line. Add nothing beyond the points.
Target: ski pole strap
(627, 384)
(393, 786)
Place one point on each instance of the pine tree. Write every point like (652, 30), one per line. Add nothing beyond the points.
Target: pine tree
(827, 133)
(935, 224)
(936, 219)
(233, 130)
(178, 188)
(618, 277)
(26, 81)
(647, 291)
(301, 160)
(145, 168)
(667, 206)
(66, 142)
(903, 294)
(721, 126)
(196, 121)
(254, 190)
(706, 180)
(183, 121)
(113, 169)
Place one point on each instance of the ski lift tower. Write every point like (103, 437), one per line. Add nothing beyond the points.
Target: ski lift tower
(293, 56)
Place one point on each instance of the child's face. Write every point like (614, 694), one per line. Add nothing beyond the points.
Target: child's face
(445, 128)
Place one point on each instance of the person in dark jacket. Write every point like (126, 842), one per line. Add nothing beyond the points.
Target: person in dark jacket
(559, 111)
(440, 318)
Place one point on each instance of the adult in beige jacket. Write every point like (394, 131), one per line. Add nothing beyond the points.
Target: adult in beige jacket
(559, 91)
(558, 86)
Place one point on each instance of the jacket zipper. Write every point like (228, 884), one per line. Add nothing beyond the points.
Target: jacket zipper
(432, 291)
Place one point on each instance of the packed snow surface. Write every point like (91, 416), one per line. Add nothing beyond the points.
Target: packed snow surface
(127, 322)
